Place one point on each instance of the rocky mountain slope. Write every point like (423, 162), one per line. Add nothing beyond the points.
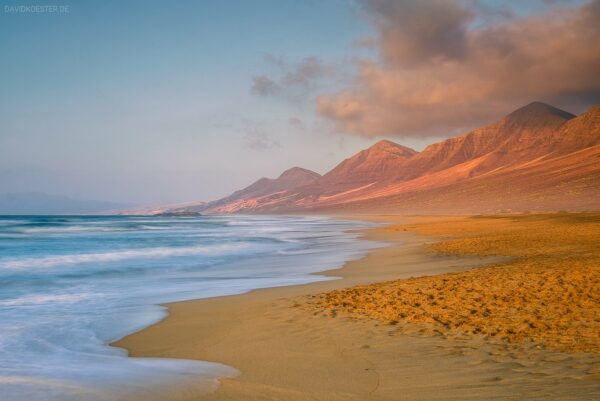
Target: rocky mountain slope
(536, 158)
(253, 195)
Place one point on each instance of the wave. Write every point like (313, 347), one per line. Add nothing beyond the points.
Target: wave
(44, 299)
(148, 227)
(70, 229)
(141, 253)
(12, 379)
(58, 229)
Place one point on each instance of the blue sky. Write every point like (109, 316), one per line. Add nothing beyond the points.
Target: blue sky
(152, 101)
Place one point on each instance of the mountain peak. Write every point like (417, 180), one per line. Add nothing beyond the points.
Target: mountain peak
(391, 147)
(299, 172)
(379, 163)
(536, 112)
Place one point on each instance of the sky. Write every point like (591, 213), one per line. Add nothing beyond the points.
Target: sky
(152, 102)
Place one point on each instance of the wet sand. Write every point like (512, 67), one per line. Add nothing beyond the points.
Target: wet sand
(289, 345)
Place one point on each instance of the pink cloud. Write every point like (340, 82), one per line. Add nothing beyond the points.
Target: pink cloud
(440, 73)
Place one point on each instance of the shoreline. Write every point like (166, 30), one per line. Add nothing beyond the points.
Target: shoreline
(285, 352)
(350, 273)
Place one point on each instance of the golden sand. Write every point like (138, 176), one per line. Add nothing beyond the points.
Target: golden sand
(285, 351)
(547, 293)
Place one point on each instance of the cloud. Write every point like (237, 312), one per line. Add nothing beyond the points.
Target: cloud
(296, 123)
(258, 140)
(306, 71)
(293, 80)
(277, 61)
(415, 32)
(344, 107)
(263, 86)
(442, 70)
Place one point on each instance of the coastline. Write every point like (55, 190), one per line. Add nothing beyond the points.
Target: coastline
(285, 352)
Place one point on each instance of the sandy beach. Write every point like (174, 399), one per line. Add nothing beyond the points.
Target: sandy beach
(352, 339)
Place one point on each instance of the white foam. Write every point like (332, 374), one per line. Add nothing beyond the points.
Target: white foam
(38, 381)
(146, 227)
(69, 229)
(57, 314)
(44, 299)
(145, 253)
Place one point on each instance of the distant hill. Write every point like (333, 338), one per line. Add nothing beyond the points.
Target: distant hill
(42, 203)
(250, 196)
(537, 158)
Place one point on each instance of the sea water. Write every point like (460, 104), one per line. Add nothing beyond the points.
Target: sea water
(69, 285)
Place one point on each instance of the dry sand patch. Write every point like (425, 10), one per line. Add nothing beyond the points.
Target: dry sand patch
(548, 293)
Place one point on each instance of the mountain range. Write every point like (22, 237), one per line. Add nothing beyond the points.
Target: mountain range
(537, 158)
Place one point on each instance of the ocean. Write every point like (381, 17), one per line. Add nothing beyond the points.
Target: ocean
(70, 285)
